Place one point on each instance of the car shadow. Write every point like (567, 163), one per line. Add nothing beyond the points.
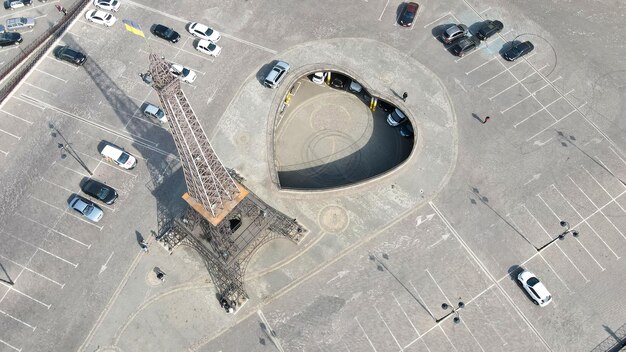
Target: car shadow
(70, 198)
(399, 10)
(264, 70)
(437, 31)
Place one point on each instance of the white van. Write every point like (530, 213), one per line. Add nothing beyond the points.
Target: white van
(119, 156)
(396, 117)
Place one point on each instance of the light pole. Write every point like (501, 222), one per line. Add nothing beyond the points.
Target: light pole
(457, 317)
(68, 149)
(565, 225)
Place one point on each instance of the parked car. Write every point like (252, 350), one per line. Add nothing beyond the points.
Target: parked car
(453, 33)
(153, 111)
(276, 75)
(185, 74)
(518, 50)
(465, 45)
(16, 23)
(488, 29)
(14, 4)
(100, 17)
(396, 117)
(2, 29)
(107, 5)
(318, 77)
(86, 208)
(68, 54)
(208, 47)
(338, 82)
(408, 14)
(385, 106)
(204, 32)
(119, 156)
(9, 38)
(166, 33)
(355, 87)
(406, 130)
(535, 288)
(100, 191)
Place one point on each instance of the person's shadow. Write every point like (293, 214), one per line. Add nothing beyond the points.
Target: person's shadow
(139, 237)
(477, 117)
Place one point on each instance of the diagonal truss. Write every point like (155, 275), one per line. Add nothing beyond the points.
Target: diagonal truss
(207, 179)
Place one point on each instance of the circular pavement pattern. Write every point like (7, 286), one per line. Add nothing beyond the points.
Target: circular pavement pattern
(333, 219)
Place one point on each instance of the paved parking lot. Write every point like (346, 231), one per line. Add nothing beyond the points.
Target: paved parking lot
(469, 208)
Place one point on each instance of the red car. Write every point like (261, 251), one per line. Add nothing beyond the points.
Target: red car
(408, 14)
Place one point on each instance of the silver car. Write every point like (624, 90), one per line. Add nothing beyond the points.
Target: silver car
(276, 75)
(16, 23)
(86, 208)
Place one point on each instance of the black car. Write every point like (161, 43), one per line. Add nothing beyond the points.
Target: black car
(488, 29)
(406, 130)
(12, 38)
(408, 14)
(465, 45)
(518, 50)
(13, 4)
(68, 54)
(100, 191)
(166, 33)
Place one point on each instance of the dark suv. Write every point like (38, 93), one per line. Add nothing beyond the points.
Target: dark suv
(488, 29)
(7, 39)
(166, 33)
(518, 50)
(465, 45)
(68, 54)
(100, 191)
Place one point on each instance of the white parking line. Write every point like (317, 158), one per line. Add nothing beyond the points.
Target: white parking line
(41, 89)
(17, 320)
(485, 10)
(478, 48)
(524, 99)
(32, 271)
(552, 124)
(11, 346)
(555, 273)
(441, 18)
(577, 240)
(387, 326)
(46, 203)
(556, 244)
(3, 152)
(421, 299)
(17, 117)
(405, 315)
(11, 134)
(380, 19)
(447, 338)
(481, 65)
(513, 85)
(439, 287)
(54, 231)
(498, 74)
(470, 332)
(542, 109)
(86, 221)
(365, 334)
(51, 75)
(67, 168)
(11, 288)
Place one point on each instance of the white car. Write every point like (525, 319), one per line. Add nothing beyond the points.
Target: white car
(208, 47)
(107, 5)
(535, 288)
(318, 77)
(119, 156)
(204, 32)
(185, 74)
(100, 17)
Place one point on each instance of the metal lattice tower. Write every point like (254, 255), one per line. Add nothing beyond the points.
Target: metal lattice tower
(208, 181)
(226, 223)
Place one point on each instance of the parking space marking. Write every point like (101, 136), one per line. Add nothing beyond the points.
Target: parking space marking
(365, 334)
(381, 16)
(498, 74)
(512, 85)
(555, 273)
(51, 75)
(46, 203)
(554, 123)
(543, 108)
(24, 267)
(447, 338)
(422, 300)
(481, 65)
(11, 288)
(74, 171)
(11, 346)
(471, 334)
(29, 101)
(441, 18)
(530, 95)
(17, 117)
(81, 37)
(17, 320)
(41, 89)
(210, 99)
(54, 231)
(573, 227)
(86, 221)
(439, 287)
(405, 315)
(11, 134)
(3, 152)
(387, 326)
(478, 48)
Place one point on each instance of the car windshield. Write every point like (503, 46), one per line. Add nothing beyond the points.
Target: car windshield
(533, 281)
(160, 113)
(123, 158)
(186, 71)
(88, 209)
(103, 193)
(107, 17)
(395, 116)
(168, 32)
(208, 32)
(211, 46)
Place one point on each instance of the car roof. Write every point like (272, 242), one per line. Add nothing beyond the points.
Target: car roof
(199, 26)
(412, 5)
(111, 151)
(78, 202)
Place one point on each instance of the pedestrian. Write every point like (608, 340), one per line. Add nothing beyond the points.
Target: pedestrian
(144, 245)
(160, 275)
(64, 12)
(404, 96)
(486, 119)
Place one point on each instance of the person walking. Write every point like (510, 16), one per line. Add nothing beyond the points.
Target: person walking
(404, 96)
(486, 119)
(144, 245)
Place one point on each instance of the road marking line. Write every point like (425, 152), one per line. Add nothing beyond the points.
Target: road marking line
(485, 10)
(498, 74)
(16, 319)
(11, 134)
(59, 258)
(439, 287)
(41, 89)
(552, 124)
(3, 152)
(387, 326)
(17, 117)
(11, 288)
(512, 85)
(421, 299)
(85, 221)
(67, 168)
(51, 75)
(405, 315)
(380, 19)
(32, 271)
(44, 202)
(11, 346)
(439, 19)
(447, 338)
(357, 320)
(470, 332)
(54, 231)
(555, 273)
(543, 108)
(481, 65)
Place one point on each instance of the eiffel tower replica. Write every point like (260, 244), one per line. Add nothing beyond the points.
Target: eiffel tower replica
(224, 222)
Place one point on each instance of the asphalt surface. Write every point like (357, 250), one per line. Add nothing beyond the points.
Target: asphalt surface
(454, 221)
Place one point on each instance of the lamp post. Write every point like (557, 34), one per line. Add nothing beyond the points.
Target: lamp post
(457, 317)
(66, 148)
(565, 225)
